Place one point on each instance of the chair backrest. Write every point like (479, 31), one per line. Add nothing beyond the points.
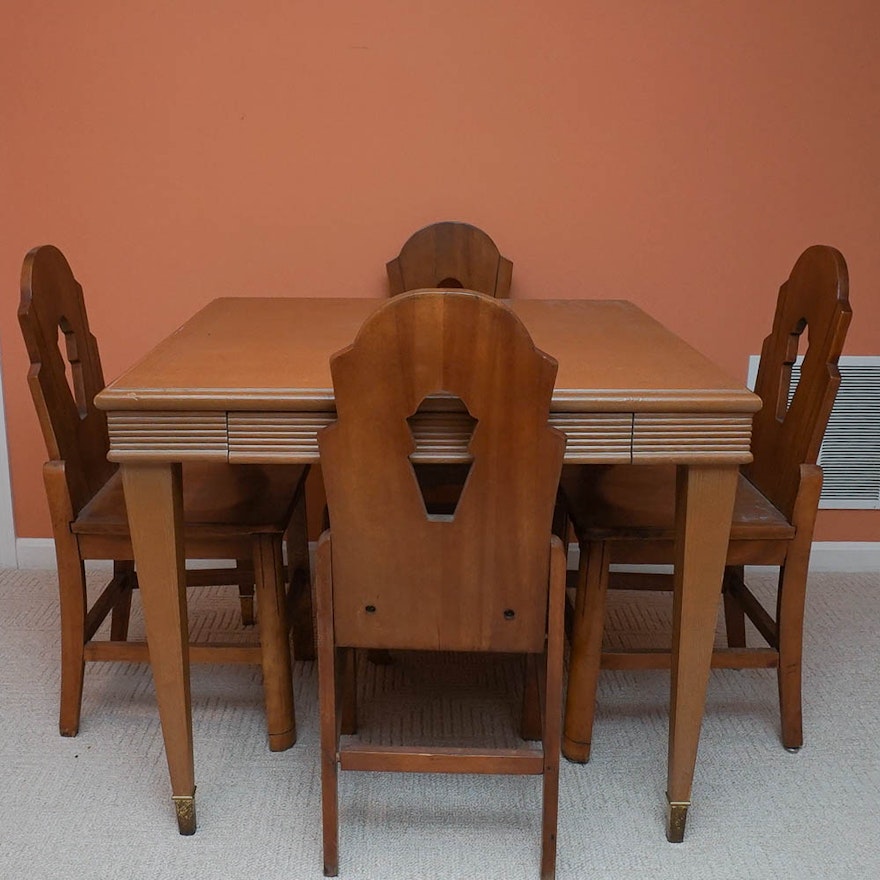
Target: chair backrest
(475, 580)
(785, 436)
(64, 383)
(450, 255)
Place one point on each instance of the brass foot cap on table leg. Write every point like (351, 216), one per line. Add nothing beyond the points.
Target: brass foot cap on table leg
(676, 818)
(185, 807)
(576, 751)
(281, 742)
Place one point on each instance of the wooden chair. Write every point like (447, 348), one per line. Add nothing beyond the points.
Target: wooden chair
(392, 575)
(450, 255)
(231, 512)
(626, 514)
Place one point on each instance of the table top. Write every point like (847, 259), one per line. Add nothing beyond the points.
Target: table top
(253, 354)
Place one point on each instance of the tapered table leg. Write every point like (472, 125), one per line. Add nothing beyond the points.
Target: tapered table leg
(155, 513)
(704, 505)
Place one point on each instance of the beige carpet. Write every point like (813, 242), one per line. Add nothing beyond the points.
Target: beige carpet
(97, 806)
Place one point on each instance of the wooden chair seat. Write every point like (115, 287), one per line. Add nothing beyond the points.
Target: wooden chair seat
(239, 513)
(626, 503)
(220, 501)
(626, 515)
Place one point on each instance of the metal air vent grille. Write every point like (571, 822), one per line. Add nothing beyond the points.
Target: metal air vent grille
(850, 454)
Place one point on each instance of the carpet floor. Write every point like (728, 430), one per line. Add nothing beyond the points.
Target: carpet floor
(98, 805)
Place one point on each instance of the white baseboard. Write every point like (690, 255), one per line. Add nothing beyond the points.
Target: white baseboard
(7, 518)
(35, 552)
(843, 556)
(39, 553)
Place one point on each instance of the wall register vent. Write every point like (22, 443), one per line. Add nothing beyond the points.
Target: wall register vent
(850, 454)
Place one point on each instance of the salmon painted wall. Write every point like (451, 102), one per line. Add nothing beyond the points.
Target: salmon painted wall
(680, 154)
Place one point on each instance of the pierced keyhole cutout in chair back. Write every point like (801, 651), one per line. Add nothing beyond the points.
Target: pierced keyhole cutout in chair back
(438, 437)
(797, 338)
(68, 351)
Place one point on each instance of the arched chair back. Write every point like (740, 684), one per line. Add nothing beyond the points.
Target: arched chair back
(450, 255)
(65, 372)
(813, 302)
(465, 348)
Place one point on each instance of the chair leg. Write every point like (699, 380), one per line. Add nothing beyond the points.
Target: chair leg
(72, 598)
(245, 573)
(790, 602)
(569, 616)
(302, 617)
(530, 726)
(551, 685)
(73, 603)
(347, 690)
(790, 622)
(119, 617)
(550, 682)
(586, 651)
(274, 643)
(561, 522)
(327, 701)
(734, 616)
